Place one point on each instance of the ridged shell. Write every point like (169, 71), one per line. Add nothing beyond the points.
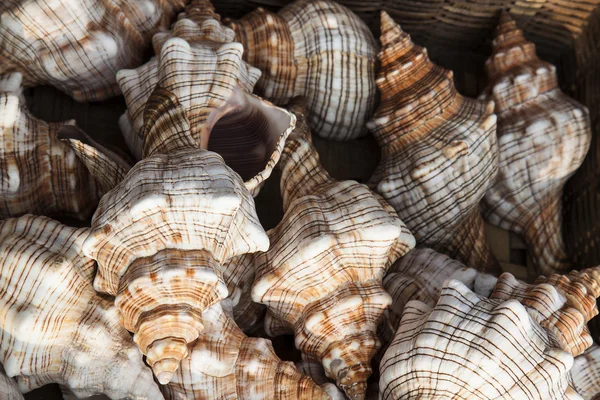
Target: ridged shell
(319, 50)
(469, 347)
(53, 326)
(226, 364)
(543, 137)
(420, 275)
(40, 173)
(8, 387)
(585, 374)
(78, 46)
(439, 151)
(314, 370)
(562, 304)
(322, 274)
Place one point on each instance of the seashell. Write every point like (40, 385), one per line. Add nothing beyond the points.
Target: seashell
(420, 275)
(314, 370)
(78, 46)
(226, 364)
(322, 275)
(585, 374)
(8, 387)
(470, 347)
(561, 304)
(53, 326)
(543, 137)
(438, 151)
(319, 50)
(39, 173)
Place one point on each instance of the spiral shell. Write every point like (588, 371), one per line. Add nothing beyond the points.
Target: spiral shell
(543, 137)
(53, 326)
(438, 149)
(585, 374)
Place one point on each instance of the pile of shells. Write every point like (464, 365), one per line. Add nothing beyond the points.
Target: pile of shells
(165, 285)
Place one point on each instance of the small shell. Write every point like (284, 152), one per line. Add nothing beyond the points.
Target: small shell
(585, 374)
(320, 50)
(470, 347)
(53, 326)
(8, 387)
(226, 364)
(78, 46)
(322, 274)
(40, 173)
(543, 137)
(439, 151)
(314, 370)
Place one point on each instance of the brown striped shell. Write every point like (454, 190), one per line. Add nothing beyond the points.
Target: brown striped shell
(53, 325)
(585, 374)
(8, 387)
(322, 275)
(470, 347)
(543, 137)
(320, 50)
(78, 46)
(39, 172)
(226, 364)
(438, 149)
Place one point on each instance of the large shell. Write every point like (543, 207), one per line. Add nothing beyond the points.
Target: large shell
(438, 149)
(8, 387)
(319, 50)
(226, 364)
(78, 46)
(543, 137)
(322, 275)
(53, 326)
(39, 173)
(470, 347)
(585, 374)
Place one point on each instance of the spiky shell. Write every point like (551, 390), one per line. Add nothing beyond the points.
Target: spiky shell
(585, 374)
(226, 364)
(322, 274)
(543, 137)
(473, 348)
(53, 326)
(319, 50)
(439, 151)
(78, 46)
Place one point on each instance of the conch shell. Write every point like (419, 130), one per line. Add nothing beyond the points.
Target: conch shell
(319, 50)
(543, 137)
(471, 347)
(585, 374)
(39, 172)
(322, 275)
(78, 46)
(53, 326)
(438, 150)
(8, 387)
(226, 364)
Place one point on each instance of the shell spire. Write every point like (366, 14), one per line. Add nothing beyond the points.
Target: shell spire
(322, 274)
(439, 151)
(53, 326)
(543, 137)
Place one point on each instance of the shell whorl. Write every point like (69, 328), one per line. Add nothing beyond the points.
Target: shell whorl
(320, 50)
(543, 137)
(438, 151)
(585, 374)
(474, 348)
(53, 326)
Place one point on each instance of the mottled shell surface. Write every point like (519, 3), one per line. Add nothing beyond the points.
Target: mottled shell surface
(585, 374)
(319, 50)
(470, 347)
(78, 46)
(438, 148)
(322, 275)
(53, 325)
(543, 137)
(8, 387)
(226, 364)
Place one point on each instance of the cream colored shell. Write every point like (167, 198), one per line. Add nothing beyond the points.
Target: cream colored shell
(8, 387)
(585, 374)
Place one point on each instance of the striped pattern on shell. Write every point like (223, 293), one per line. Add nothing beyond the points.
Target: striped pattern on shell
(322, 274)
(8, 387)
(585, 374)
(53, 326)
(38, 172)
(470, 347)
(438, 149)
(543, 137)
(319, 50)
(226, 364)
(78, 46)
(160, 238)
